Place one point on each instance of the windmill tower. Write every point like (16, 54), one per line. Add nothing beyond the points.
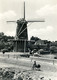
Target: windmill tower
(21, 39)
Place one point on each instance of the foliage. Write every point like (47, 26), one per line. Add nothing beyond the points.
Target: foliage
(4, 42)
(34, 38)
(45, 45)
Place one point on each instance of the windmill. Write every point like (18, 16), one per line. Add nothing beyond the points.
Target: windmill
(20, 41)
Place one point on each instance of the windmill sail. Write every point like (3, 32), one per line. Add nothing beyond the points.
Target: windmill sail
(22, 34)
(24, 10)
(11, 21)
(38, 20)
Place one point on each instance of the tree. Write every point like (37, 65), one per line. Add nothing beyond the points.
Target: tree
(4, 44)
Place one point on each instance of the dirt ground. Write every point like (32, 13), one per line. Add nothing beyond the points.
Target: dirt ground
(24, 67)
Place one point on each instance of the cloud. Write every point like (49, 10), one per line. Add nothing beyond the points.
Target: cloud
(47, 10)
(47, 30)
(7, 16)
(43, 33)
(10, 33)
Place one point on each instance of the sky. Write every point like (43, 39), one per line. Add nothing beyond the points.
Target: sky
(35, 10)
